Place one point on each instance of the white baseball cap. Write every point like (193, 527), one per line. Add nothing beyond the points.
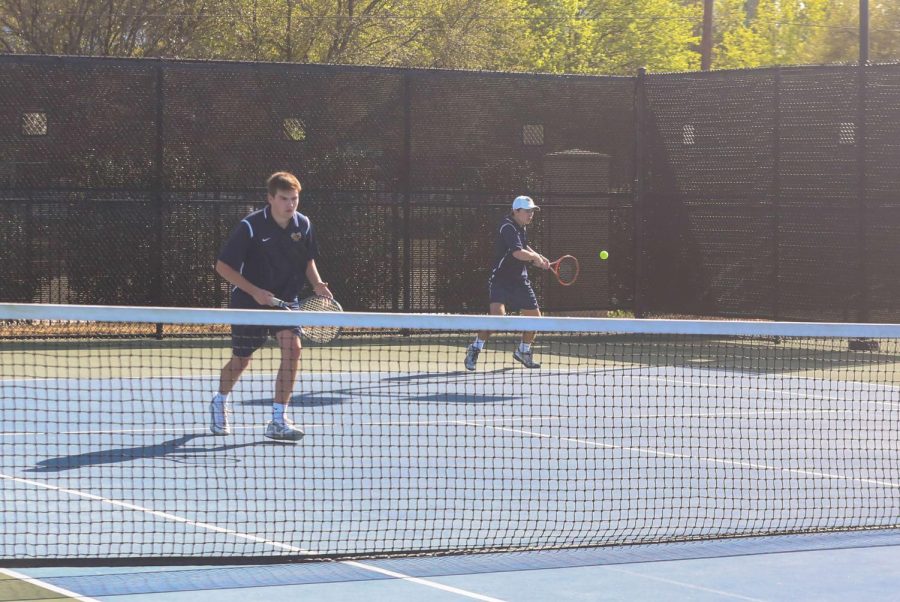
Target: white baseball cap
(524, 202)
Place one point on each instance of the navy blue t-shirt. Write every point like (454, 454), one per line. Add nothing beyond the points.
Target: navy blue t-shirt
(510, 238)
(271, 257)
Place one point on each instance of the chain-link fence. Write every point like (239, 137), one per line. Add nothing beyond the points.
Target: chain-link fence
(120, 179)
(765, 193)
(772, 193)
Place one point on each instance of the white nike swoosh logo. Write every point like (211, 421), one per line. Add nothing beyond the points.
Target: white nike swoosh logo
(267, 239)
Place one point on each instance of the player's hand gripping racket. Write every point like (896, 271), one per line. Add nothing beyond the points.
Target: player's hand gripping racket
(565, 269)
(316, 334)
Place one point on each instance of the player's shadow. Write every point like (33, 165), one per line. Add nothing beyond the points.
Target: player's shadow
(379, 390)
(127, 454)
(461, 398)
(439, 375)
(314, 399)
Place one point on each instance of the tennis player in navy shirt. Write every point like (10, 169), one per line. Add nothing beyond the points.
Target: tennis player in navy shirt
(509, 287)
(270, 254)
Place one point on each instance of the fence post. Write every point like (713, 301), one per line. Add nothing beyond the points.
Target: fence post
(862, 192)
(157, 193)
(776, 198)
(405, 188)
(640, 93)
(862, 221)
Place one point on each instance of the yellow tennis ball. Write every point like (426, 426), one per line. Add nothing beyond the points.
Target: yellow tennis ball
(604, 255)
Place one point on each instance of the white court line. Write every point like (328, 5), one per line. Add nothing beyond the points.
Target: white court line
(47, 586)
(791, 392)
(336, 427)
(656, 452)
(742, 414)
(203, 431)
(434, 584)
(782, 392)
(127, 432)
(192, 376)
(245, 536)
(342, 377)
(682, 584)
(763, 375)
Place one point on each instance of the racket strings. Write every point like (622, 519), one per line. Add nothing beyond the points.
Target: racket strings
(319, 304)
(320, 334)
(567, 270)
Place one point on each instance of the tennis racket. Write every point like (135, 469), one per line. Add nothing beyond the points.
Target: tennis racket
(565, 269)
(316, 334)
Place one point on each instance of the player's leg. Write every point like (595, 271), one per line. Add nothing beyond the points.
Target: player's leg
(528, 337)
(497, 295)
(231, 373)
(244, 341)
(496, 309)
(529, 307)
(281, 427)
(472, 352)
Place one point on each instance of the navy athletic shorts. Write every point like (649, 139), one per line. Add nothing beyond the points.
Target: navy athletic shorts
(247, 339)
(514, 295)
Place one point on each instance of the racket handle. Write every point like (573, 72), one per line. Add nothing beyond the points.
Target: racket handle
(276, 302)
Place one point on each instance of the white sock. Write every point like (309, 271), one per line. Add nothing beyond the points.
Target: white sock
(479, 344)
(524, 347)
(223, 398)
(278, 412)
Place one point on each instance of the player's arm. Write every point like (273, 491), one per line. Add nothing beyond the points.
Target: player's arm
(531, 256)
(261, 296)
(511, 239)
(319, 287)
(544, 262)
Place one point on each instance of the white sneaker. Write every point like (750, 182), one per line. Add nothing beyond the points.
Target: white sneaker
(219, 413)
(472, 357)
(525, 358)
(283, 431)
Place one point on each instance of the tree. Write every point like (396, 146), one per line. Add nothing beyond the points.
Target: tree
(102, 27)
(842, 42)
(791, 32)
(612, 36)
(427, 33)
(557, 36)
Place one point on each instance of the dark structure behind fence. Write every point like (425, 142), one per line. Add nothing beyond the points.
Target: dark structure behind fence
(766, 193)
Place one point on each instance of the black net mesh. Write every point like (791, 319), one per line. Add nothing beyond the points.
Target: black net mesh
(618, 437)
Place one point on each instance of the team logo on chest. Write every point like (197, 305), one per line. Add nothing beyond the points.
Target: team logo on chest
(296, 236)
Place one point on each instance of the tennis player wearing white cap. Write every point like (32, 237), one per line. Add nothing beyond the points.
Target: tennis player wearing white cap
(508, 287)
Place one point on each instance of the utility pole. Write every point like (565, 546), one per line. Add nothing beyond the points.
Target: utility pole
(706, 41)
(863, 32)
(290, 49)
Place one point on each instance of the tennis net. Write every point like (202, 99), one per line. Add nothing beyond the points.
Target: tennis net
(631, 431)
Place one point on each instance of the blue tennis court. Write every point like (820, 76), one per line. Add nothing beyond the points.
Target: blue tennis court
(820, 567)
(684, 460)
(442, 461)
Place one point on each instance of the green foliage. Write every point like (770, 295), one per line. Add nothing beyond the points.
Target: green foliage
(426, 33)
(840, 45)
(780, 32)
(102, 27)
(612, 36)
